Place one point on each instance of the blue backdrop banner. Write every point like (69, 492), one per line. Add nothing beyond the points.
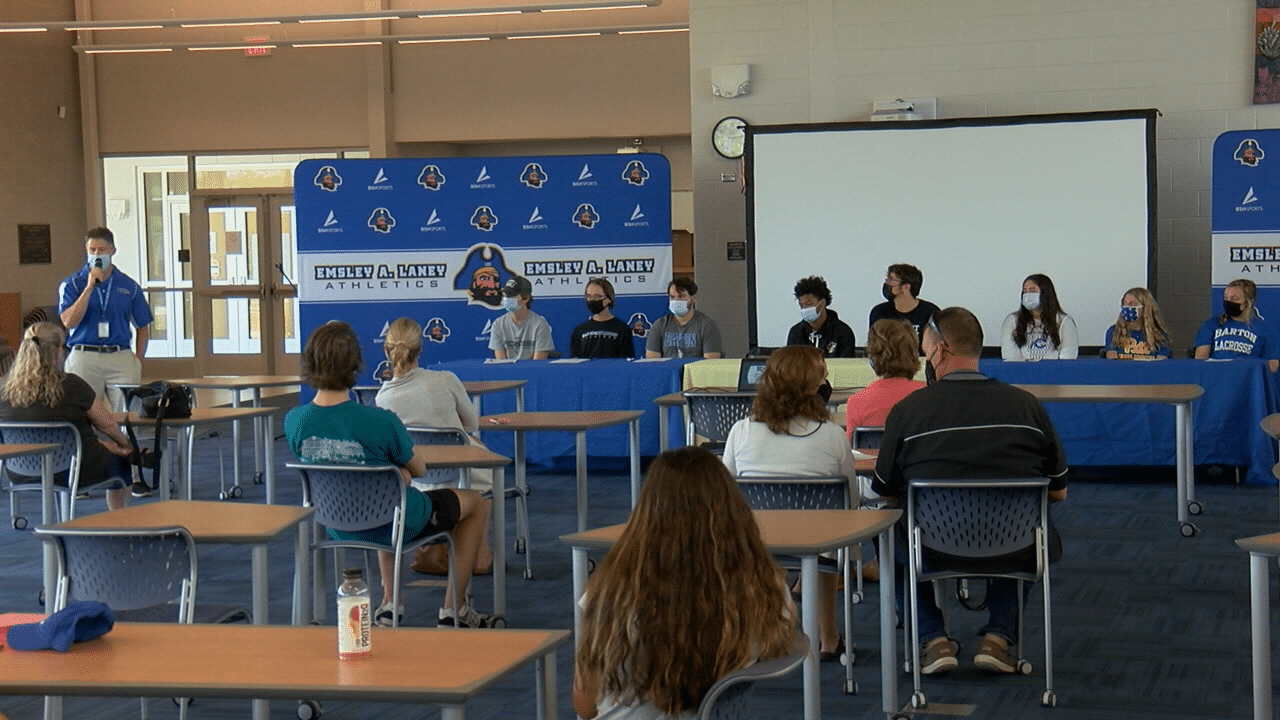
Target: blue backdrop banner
(1246, 216)
(435, 239)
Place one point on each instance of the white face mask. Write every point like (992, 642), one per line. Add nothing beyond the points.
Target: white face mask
(105, 261)
(809, 314)
(510, 304)
(1031, 301)
(679, 307)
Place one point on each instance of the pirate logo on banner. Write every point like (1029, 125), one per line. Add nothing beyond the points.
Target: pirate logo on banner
(533, 176)
(436, 331)
(586, 216)
(640, 325)
(327, 178)
(484, 218)
(431, 178)
(1249, 153)
(635, 173)
(482, 275)
(381, 220)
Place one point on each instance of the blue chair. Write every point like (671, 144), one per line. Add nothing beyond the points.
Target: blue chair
(66, 465)
(727, 698)
(712, 415)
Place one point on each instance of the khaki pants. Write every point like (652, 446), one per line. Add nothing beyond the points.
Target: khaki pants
(105, 371)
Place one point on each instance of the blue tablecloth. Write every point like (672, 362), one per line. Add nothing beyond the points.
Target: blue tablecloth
(1237, 395)
(591, 385)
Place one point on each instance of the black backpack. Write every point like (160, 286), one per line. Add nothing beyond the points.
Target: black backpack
(157, 400)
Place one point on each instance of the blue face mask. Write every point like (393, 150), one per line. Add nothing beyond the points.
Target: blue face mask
(1130, 313)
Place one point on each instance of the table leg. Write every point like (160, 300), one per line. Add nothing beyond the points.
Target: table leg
(520, 399)
(235, 441)
(48, 516)
(452, 712)
(499, 522)
(261, 708)
(809, 620)
(1260, 617)
(664, 422)
(579, 588)
(545, 669)
(1186, 471)
(269, 452)
(635, 461)
(302, 574)
(888, 648)
(257, 430)
(189, 446)
(581, 466)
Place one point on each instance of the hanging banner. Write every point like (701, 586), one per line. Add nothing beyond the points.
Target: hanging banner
(435, 239)
(1246, 216)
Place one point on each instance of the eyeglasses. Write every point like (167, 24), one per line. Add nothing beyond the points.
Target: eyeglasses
(597, 297)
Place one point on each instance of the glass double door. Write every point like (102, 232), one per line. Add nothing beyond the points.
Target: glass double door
(243, 270)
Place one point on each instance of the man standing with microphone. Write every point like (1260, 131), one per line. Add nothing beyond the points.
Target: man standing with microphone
(100, 306)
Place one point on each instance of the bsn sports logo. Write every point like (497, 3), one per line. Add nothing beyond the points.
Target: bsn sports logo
(431, 178)
(327, 178)
(434, 222)
(381, 181)
(482, 180)
(637, 219)
(584, 177)
(1248, 203)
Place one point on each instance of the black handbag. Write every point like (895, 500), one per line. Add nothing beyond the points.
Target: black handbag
(159, 400)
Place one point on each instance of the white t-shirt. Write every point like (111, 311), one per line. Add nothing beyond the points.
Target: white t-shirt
(521, 340)
(809, 448)
(1039, 346)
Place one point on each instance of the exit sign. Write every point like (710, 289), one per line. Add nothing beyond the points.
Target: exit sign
(259, 50)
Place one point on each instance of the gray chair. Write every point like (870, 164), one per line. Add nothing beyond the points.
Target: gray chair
(712, 415)
(978, 525)
(143, 574)
(798, 492)
(66, 464)
(357, 497)
(866, 438)
(365, 394)
(727, 698)
(446, 478)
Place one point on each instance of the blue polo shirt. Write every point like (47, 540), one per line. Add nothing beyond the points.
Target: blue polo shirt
(119, 301)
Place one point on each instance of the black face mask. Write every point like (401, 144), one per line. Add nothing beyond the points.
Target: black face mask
(886, 291)
(930, 375)
(595, 307)
(824, 392)
(1232, 309)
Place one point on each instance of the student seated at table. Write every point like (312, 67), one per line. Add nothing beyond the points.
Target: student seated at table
(688, 594)
(1239, 331)
(335, 429)
(520, 334)
(685, 331)
(37, 390)
(789, 432)
(1139, 332)
(433, 399)
(819, 325)
(602, 335)
(1039, 330)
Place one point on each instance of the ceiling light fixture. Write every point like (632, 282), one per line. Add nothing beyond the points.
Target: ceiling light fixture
(420, 41)
(552, 35)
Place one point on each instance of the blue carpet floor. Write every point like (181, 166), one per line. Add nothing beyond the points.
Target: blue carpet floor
(1148, 624)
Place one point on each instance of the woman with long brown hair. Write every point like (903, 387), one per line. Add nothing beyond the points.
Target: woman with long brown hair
(1039, 329)
(37, 390)
(688, 594)
(790, 432)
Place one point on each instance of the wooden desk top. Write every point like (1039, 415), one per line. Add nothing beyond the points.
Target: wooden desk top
(1261, 544)
(8, 450)
(567, 420)
(210, 522)
(793, 532)
(240, 382)
(484, 387)
(277, 662)
(1115, 393)
(459, 456)
(202, 415)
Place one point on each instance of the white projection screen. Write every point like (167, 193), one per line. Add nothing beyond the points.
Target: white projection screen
(977, 204)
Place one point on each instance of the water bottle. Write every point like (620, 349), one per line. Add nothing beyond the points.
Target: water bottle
(355, 617)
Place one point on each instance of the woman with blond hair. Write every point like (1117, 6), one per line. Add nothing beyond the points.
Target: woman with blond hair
(434, 399)
(1139, 332)
(1240, 331)
(688, 594)
(790, 432)
(37, 390)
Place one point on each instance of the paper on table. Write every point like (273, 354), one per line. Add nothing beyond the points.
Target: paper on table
(496, 361)
(653, 359)
(857, 455)
(569, 360)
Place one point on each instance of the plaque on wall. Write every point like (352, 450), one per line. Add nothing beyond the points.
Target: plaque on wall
(737, 250)
(34, 245)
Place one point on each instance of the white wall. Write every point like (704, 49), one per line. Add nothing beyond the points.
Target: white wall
(826, 60)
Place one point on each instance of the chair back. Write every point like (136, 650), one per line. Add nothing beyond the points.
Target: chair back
(795, 492)
(438, 477)
(354, 497)
(712, 415)
(128, 569)
(727, 698)
(63, 434)
(867, 438)
(978, 519)
(366, 394)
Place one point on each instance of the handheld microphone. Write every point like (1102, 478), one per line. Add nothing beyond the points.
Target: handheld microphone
(97, 263)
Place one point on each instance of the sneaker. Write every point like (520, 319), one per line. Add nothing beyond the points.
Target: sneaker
(467, 618)
(385, 616)
(994, 657)
(938, 658)
(141, 489)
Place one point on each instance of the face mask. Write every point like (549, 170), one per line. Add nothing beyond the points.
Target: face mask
(1031, 301)
(595, 307)
(102, 261)
(510, 304)
(1232, 309)
(809, 314)
(887, 291)
(1129, 313)
(824, 392)
(679, 307)
(930, 375)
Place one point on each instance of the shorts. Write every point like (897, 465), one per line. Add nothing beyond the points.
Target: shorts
(446, 511)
